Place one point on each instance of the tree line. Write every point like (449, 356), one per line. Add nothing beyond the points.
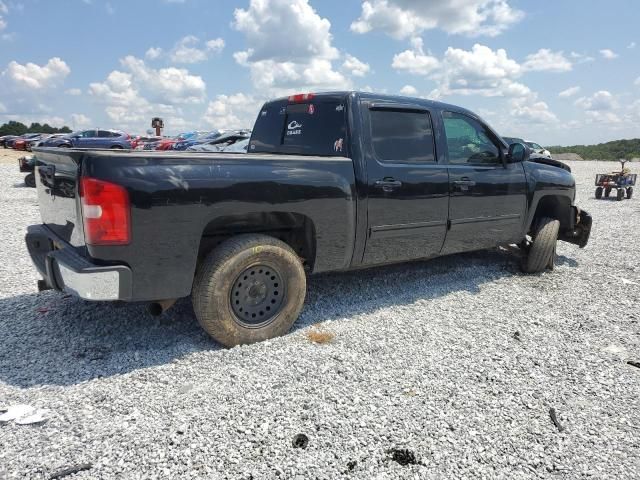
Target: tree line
(17, 128)
(616, 150)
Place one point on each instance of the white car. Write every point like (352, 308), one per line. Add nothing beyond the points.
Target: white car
(539, 149)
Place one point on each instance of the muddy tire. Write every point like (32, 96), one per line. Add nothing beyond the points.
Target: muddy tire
(248, 289)
(599, 193)
(30, 180)
(541, 255)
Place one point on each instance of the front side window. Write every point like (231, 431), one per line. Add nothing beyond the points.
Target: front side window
(401, 136)
(469, 141)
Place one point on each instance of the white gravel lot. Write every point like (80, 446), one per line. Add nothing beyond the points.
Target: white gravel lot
(458, 360)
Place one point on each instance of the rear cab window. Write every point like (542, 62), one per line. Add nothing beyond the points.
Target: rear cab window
(310, 126)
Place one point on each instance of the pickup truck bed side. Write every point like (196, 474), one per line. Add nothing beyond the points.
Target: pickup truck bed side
(182, 203)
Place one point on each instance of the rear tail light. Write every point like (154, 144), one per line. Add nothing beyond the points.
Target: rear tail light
(301, 97)
(105, 212)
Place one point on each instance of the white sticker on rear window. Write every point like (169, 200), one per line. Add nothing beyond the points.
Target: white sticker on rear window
(294, 128)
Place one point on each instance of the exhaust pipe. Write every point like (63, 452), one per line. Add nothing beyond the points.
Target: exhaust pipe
(158, 308)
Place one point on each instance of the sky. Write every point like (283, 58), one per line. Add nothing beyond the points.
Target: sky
(557, 73)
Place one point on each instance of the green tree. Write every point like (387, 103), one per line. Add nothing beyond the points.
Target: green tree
(13, 128)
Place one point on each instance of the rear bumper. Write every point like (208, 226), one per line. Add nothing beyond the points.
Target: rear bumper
(64, 269)
(580, 228)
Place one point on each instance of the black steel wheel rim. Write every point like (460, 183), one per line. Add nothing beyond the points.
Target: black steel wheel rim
(257, 295)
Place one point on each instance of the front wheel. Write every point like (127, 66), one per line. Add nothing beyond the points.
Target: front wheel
(599, 192)
(607, 192)
(541, 255)
(248, 289)
(629, 192)
(620, 194)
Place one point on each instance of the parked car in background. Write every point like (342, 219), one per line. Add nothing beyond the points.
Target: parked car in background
(20, 143)
(241, 146)
(37, 141)
(5, 138)
(220, 143)
(93, 138)
(537, 148)
(201, 137)
(139, 141)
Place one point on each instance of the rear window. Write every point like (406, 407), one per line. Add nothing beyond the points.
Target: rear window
(314, 128)
(402, 136)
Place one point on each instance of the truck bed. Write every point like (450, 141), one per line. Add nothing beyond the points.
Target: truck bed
(178, 198)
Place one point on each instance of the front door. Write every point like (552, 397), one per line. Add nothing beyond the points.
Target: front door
(407, 188)
(488, 196)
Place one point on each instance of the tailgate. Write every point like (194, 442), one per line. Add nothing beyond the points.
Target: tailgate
(57, 171)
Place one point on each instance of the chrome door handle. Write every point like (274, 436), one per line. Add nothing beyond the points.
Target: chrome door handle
(388, 184)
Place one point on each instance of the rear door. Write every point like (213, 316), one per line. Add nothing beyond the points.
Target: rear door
(407, 188)
(488, 197)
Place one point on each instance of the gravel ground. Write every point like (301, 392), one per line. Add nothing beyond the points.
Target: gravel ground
(458, 360)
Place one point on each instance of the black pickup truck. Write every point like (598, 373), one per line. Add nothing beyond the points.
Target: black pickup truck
(331, 181)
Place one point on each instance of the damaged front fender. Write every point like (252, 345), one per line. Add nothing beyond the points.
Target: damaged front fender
(579, 230)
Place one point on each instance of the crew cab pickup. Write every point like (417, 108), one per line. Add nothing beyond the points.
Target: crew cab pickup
(331, 181)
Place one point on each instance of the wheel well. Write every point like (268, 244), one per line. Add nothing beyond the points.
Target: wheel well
(553, 206)
(294, 229)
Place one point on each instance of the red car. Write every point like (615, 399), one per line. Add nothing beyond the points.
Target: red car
(20, 144)
(166, 143)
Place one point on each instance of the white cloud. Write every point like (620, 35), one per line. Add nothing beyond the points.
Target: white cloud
(233, 111)
(415, 60)
(544, 60)
(409, 90)
(530, 110)
(409, 18)
(79, 120)
(170, 85)
(581, 57)
(480, 71)
(189, 50)
(598, 102)
(608, 54)
(74, 92)
(289, 47)
(153, 53)
(3, 11)
(569, 92)
(355, 67)
(132, 97)
(32, 76)
(631, 45)
(637, 82)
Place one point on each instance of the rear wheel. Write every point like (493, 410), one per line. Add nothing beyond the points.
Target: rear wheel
(30, 180)
(542, 252)
(607, 192)
(620, 194)
(248, 289)
(599, 192)
(629, 192)
(116, 147)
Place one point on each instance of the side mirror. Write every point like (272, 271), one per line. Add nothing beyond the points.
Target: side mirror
(518, 153)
